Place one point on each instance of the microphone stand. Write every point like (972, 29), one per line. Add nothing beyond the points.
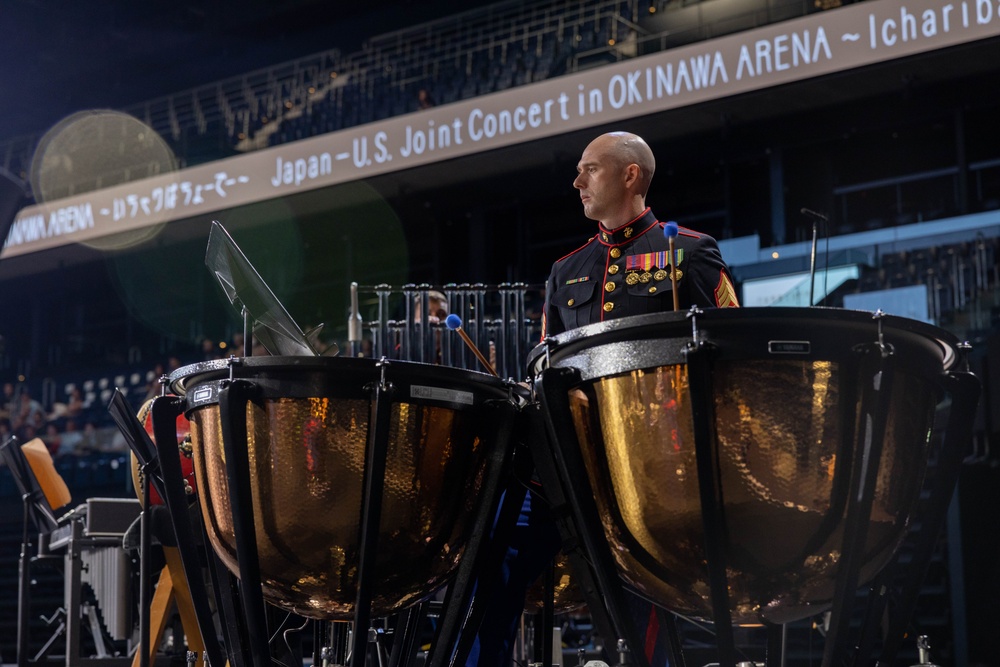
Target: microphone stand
(815, 217)
(812, 266)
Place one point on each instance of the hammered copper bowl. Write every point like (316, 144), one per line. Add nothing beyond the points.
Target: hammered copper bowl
(785, 416)
(567, 596)
(307, 432)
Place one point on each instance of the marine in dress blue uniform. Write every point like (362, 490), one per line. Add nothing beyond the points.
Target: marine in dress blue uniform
(625, 269)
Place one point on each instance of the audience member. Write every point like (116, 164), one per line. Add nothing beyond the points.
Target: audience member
(72, 440)
(52, 439)
(9, 406)
(424, 99)
(73, 407)
(29, 413)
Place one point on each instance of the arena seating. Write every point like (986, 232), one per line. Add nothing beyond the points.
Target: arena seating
(474, 53)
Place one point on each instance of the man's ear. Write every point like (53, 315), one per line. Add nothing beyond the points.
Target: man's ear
(632, 174)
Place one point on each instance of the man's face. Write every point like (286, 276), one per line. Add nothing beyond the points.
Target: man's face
(600, 180)
(438, 311)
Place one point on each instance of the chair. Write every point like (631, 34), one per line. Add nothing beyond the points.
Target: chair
(43, 491)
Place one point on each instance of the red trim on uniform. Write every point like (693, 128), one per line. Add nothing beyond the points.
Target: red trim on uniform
(604, 293)
(652, 632)
(629, 240)
(589, 241)
(601, 226)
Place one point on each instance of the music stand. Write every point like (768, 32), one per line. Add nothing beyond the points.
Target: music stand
(43, 490)
(264, 316)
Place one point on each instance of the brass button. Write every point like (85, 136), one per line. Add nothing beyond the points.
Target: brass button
(609, 286)
(571, 302)
(616, 253)
(613, 269)
(652, 290)
(608, 307)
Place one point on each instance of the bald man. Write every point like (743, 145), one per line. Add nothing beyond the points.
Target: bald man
(625, 268)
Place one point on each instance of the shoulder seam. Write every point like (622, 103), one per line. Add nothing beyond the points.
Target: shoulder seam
(570, 254)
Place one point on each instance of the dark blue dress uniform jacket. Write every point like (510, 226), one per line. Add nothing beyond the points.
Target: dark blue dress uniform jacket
(622, 272)
(626, 271)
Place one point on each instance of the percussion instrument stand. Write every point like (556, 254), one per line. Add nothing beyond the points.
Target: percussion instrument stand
(699, 365)
(160, 467)
(459, 621)
(145, 549)
(576, 513)
(233, 399)
(490, 562)
(376, 452)
(875, 374)
(165, 411)
(964, 389)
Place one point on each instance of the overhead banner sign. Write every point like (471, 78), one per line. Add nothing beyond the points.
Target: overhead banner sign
(837, 40)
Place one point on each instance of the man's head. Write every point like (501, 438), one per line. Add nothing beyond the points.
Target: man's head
(613, 176)
(437, 305)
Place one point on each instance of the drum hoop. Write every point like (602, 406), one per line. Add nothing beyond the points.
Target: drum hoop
(632, 343)
(340, 378)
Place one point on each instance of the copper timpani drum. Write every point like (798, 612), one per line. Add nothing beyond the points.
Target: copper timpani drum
(794, 403)
(308, 422)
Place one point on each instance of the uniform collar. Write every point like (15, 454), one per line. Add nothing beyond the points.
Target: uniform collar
(627, 232)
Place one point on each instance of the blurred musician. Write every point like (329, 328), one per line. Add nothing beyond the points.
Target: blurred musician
(437, 311)
(437, 305)
(623, 270)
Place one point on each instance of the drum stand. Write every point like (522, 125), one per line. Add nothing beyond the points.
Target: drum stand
(242, 603)
(562, 470)
(160, 465)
